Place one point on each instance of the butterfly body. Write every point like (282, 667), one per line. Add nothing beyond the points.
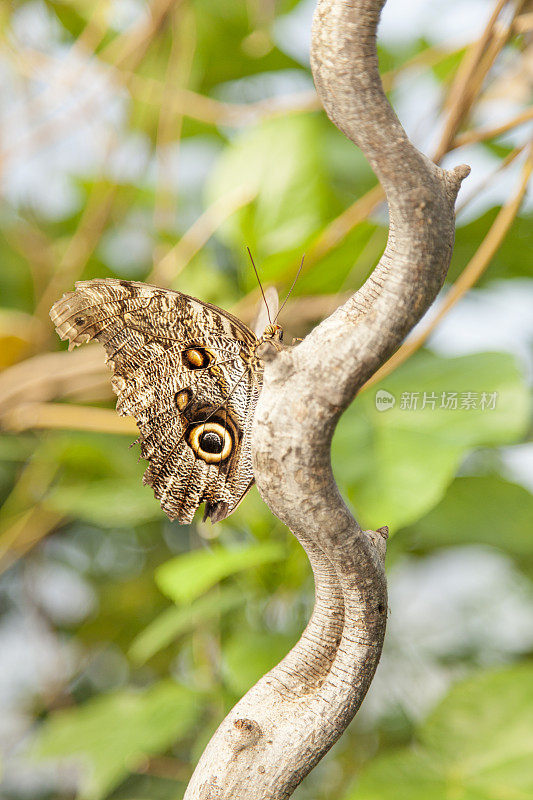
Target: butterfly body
(190, 375)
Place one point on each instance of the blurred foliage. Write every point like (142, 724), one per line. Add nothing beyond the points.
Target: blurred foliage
(412, 453)
(480, 509)
(509, 262)
(115, 733)
(153, 142)
(476, 743)
(186, 577)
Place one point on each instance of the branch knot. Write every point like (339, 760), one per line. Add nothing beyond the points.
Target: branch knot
(453, 178)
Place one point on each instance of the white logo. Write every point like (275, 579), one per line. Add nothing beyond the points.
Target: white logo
(384, 400)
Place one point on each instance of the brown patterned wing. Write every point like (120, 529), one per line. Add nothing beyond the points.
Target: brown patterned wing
(186, 371)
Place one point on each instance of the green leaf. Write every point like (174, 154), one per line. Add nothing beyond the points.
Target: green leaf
(477, 745)
(508, 261)
(487, 510)
(445, 68)
(247, 658)
(348, 264)
(174, 622)
(395, 464)
(113, 734)
(409, 775)
(224, 28)
(485, 721)
(86, 457)
(186, 577)
(109, 503)
(280, 162)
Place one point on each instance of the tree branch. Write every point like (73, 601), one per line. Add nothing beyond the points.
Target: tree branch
(293, 715)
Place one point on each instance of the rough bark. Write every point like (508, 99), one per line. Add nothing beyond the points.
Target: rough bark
(275, 735)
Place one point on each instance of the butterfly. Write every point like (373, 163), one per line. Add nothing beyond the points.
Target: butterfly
(189, 373)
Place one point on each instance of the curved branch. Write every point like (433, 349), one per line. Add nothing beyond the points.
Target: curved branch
(292, 716)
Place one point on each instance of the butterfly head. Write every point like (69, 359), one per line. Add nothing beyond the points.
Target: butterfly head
(273, 334)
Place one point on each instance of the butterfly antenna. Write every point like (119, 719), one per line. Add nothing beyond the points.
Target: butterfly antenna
(260, 285)
(292, 287)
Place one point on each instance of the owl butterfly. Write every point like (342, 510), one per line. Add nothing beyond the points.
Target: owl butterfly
(190, 375)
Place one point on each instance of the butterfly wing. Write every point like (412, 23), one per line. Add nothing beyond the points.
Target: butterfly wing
(185, 371)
